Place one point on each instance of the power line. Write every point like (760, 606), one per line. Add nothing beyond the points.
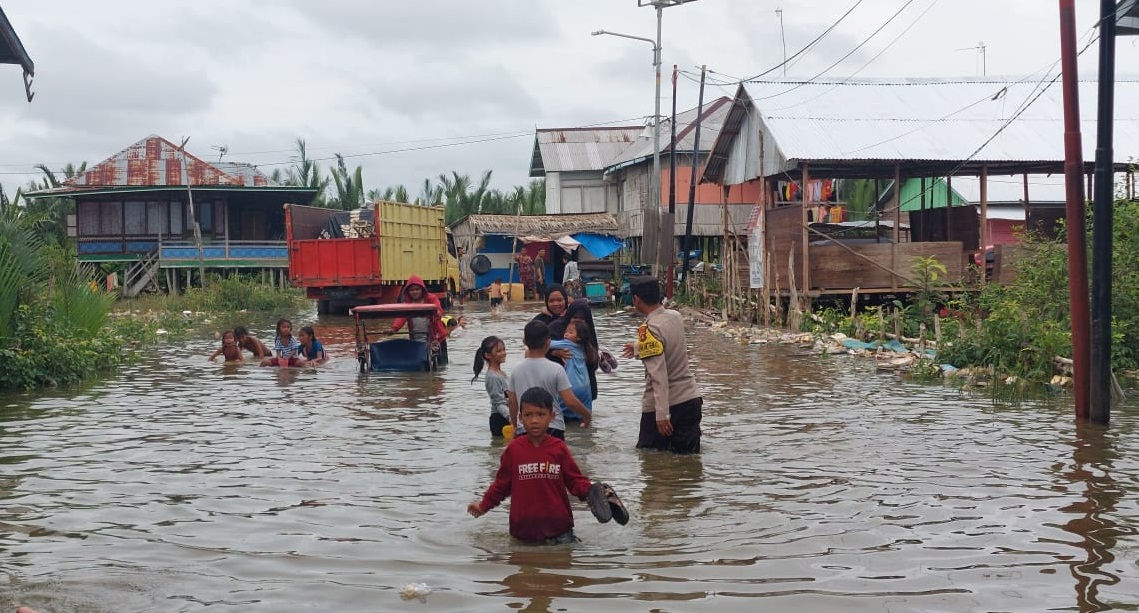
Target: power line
(818, 38)
(868, 62)
(850, 53)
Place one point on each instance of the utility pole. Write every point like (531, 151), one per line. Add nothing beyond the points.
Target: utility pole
(669, 286)
(692, 185)
(1076, 208)
(197, 227)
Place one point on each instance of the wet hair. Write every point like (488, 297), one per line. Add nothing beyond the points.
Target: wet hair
(280, 322)
(309, 331)
(536, 334)
(537, 397)
(240, 331)
(646, 288)
(488, 345)
(227, 333)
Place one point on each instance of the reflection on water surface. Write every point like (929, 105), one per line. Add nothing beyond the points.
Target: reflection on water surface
(823, 486)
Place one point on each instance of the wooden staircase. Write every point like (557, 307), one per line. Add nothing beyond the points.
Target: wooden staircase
(140, 275)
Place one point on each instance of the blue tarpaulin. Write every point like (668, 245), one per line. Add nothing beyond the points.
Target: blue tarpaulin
(600, 246)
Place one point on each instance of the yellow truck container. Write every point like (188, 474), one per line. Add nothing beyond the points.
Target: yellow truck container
(365, 256)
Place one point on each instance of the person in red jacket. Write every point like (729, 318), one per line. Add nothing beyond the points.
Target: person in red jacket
(421, 328)
(536, 471)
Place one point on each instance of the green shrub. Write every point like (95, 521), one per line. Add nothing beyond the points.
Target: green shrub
(240, 293)
(44, 350)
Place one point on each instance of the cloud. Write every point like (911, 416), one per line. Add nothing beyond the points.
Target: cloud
(438, 26)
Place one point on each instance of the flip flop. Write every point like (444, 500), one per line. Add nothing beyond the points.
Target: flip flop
(599, 502)
(616, 507)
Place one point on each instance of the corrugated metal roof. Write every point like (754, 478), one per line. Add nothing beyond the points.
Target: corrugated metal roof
(151, 162)
(11, 49)
(248, 173)
(642, 148)
(933, 120)
(574, 149)
(910, 120)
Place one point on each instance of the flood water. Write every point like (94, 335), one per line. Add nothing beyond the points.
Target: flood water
(182, 485)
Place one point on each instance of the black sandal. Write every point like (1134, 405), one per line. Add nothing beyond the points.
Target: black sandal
(616, 508)
(599, 502)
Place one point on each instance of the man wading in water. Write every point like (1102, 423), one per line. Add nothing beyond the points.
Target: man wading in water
(671, 407)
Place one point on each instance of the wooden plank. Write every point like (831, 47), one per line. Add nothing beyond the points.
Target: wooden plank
(835, 268)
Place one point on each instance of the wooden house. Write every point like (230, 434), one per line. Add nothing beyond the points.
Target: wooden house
(141, 206)
(782, 136)
(609, 170)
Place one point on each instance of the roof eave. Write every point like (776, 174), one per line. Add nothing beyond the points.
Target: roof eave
(56, 192)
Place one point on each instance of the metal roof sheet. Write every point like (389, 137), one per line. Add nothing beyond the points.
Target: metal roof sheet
(1002, 121)
(152, 161)
(11, 49)
(575, 149)
(642, 148)
(933, 120)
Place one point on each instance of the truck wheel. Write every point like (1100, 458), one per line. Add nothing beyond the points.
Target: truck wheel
(323, 307)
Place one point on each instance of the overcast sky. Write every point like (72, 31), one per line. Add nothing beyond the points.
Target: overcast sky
(397, 84)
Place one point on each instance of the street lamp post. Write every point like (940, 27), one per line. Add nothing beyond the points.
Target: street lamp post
(654, 187)
(654, 183)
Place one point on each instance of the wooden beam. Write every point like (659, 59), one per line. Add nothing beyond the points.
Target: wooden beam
(984, 216)
(806, 260)
(897, 220)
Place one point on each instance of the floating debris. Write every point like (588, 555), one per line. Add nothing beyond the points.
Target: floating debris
(415, 591)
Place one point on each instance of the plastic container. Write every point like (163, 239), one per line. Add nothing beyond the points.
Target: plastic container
(514, 292)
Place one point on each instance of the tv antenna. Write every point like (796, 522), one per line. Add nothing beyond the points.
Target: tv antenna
(221, 149)
(980, 49)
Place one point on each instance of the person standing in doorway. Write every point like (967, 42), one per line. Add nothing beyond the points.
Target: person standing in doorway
(671, 408)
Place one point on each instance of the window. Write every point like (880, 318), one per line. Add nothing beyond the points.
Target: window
(156, 218)
(176, 218)
(205, 211)
(111, 218)
(134, 218)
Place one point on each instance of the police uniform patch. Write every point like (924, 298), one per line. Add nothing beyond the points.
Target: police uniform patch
(647, 345)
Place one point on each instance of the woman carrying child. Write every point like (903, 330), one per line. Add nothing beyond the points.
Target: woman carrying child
(579, 310)
(286, 346)
(492, 352)
(581, 353)
(311, 349)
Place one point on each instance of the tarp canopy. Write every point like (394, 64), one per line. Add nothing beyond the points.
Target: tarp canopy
(599, 245)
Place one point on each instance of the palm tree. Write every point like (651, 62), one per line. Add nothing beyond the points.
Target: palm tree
(391, 194)
(349, 186)
(50, 211)
(24, 259)
(430, 194)
(306, 173)
(535, 202)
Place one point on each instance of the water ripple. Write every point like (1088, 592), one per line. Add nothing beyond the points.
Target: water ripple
(823, 486)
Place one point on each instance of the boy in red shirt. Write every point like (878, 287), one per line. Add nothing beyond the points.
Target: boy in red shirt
(536, 471)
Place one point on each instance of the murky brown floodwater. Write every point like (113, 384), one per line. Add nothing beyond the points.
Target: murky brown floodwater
(823, 486)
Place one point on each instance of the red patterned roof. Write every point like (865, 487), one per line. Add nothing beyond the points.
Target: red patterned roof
(154, 162)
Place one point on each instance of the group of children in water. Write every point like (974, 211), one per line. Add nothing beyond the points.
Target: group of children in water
(301, 350)
(537, 471)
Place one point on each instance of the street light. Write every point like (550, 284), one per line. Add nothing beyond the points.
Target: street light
(654, 192)
(654, 183)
